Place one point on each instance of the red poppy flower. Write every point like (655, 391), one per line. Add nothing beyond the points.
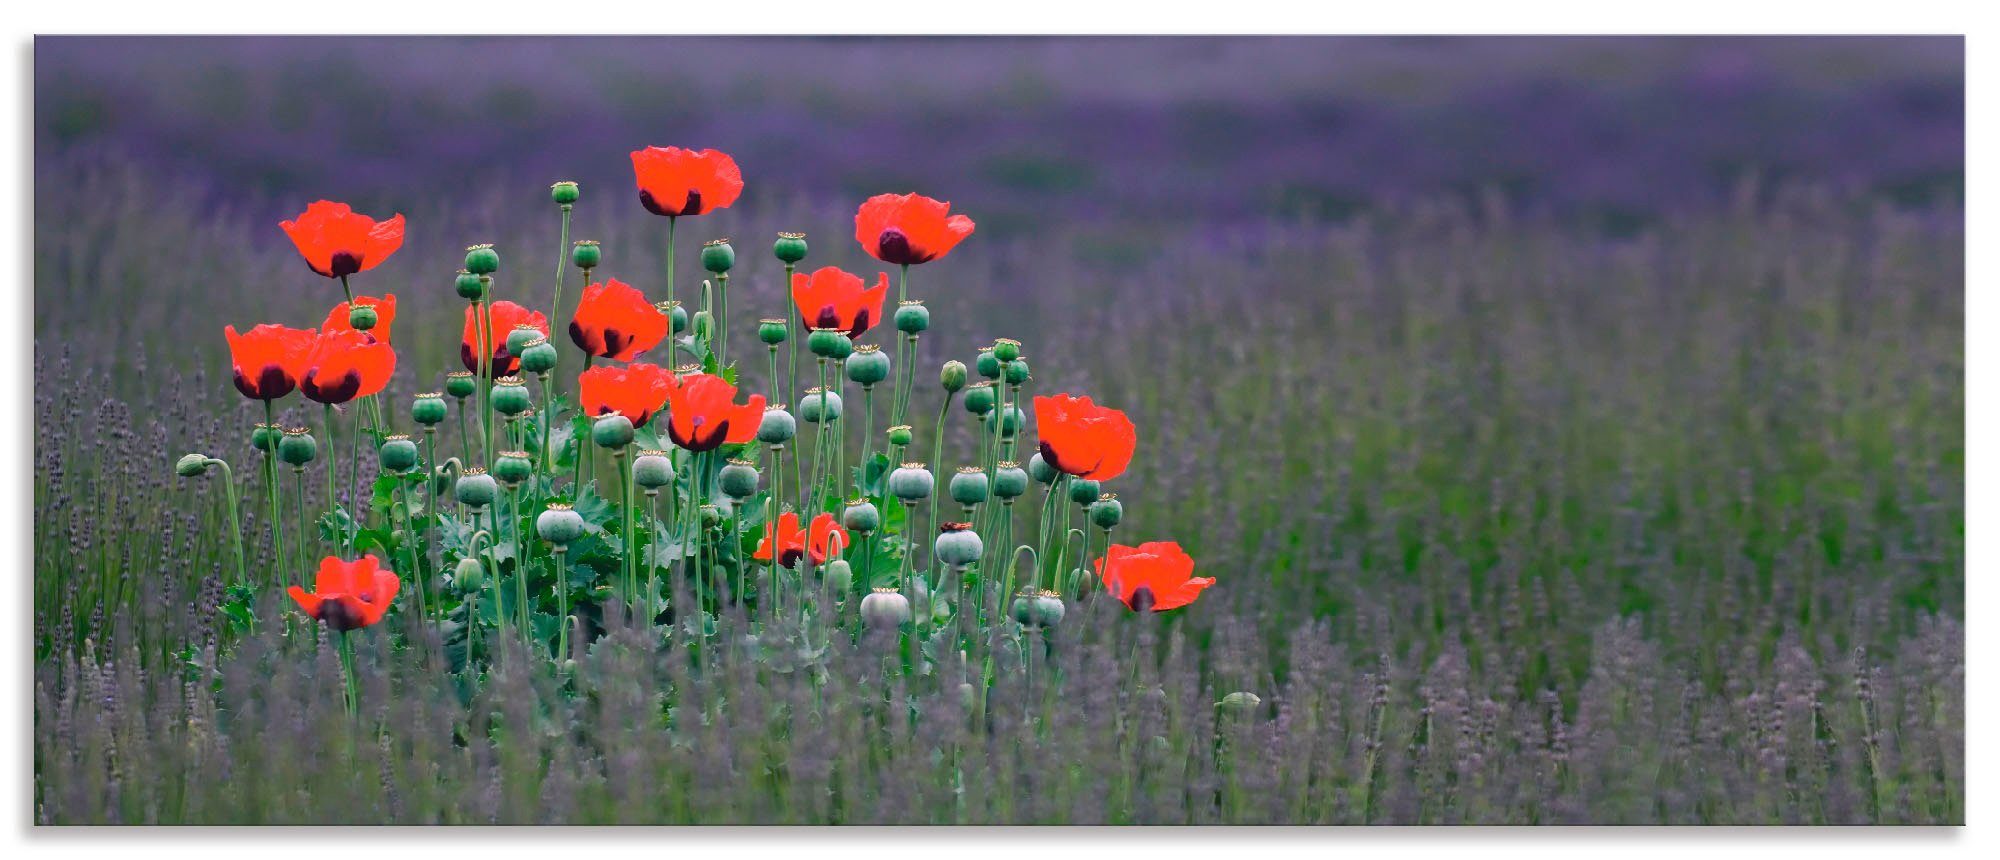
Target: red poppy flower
(505, 317)
(338, 241)
(1157, 576)
(615, 321)
(348, 595)
(675, 181)
(346, 365)
(702, 413)
(1084, 439)
(635, 391)
(831, 298)
(385, 316)
(827, 540)
(269, 359)
(907, 229)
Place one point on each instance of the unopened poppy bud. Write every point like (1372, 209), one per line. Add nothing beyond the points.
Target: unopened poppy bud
(513, 467)
(1240, 703)
(468, 575)
(469, 286)
(264, 437)
(565, 193)
(868, 365)
(362, 317)
(901, 434)
(1007, 422)
(475, 488)
(1006, 349)
(510, 397)
(1040, 470)
(652, 470)
(1049, 609)
(911, 482)
(777, 426)
(839, 576)
(1082, 491)
(980, 399)
(460, 384)
(790, 247)
(912, 317)
(738, 479)
(1016, 372)
(612, 430)
(1107, 512)
(885, 609)
(538, 356)
(428, 408)
(520, 337)
(825, 342)
(482, 260)
(957, 544)
(968, 487)
(1009, 480)
(952, 376)
(717, 256)
(586, 254)
(860, 515)
(819, 405)
(398, 454)
(987, 363)
(704, 325)
(772, 332)
(677, 316)
(297, 447)
(191, 466)
(560, 524)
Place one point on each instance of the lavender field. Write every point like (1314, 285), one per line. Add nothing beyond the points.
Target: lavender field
(1574, 428)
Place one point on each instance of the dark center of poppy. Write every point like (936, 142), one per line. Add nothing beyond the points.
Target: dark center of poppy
(343, 263)
(894, 247)
(1141, 599)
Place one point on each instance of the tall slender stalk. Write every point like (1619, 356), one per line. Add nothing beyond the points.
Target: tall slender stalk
(271, 464)
(235, 520)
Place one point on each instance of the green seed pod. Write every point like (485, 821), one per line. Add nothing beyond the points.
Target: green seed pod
(482, 260)
(772, 332)
(839, 577)
(957, 544)
(460, 384)
(397, 454)
(911, 482)
(777, 426)
(468, 575)
(912, 317)
(980, 398)
(1008, 422)
(819, 405)
(1009, 480)
(653, 469)
(475, 488)
(612, 430)
(712, 518)
(885, 609)
(1040, 470)
(469, 286)
(1106, 513)
(559, 525)
(1022, 610)
(952, 376)
(586, 254)
(868, 365)
(861, 516)
(510, 396)
(538, 356)
(717, 256)
(790, 247)
(362, 317)
(1049, 609)
(264, 437)
(1016, 372)
(677, 316)
(297, 447)
(191, 466)
(738, 479)
(987, 363)
(565, 193)
(829, 343)
(1006, 349)
(1239, 703)
(520, 337)
(513, 467)
(428, 408)
(1082, 491)
(969, 486)
(901, 434)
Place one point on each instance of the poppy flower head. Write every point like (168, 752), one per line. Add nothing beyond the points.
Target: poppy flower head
(615, 321)
(785, 542)
(385, 316)
(907, 229)
(1081, 438)
(346, 365)
(635, 391)
(269, 360)
(337, 241)
(1158, 576)
(348, 595)
(831, 298)
(675, 181)
(702, 413)
(504, 317)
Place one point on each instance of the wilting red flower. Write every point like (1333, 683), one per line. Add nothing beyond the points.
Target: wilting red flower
(827, 540)
(615, 321)
(385, 315)
(348, 595)
(338, 241)
(1082, 438)
(346, 365)
(505, 316)
(675, 181)
(1157, 576)
(269, 359)
(907, 229)
(635, 391)
(831, 298)
(702, 413)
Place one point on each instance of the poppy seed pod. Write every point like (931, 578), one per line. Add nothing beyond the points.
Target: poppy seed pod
(538, 356)
(790, 248)
(711, 516)
(717, 256)
(1082, 491)
(398, 454)
(885, 609)
(1040, 470)
(1107, 512)
(911, 482)
(860, 515)
(987, 363)
(191, 466)
(968, 487)
(560, 524)
(772, 332)
(565, 193)
(460, 384)
(612, 430)
(428, 409)
(469, 286)
(1016, 372)
(522, 335)
(586, 254)
(1008, 422)
(1006, 349)
(777, 426)
(952, 375)
(264, 437)
(868, 365)
(912, 317)
(677, 316)
(1049, 608)
(1022, 610)
(738, 479)
(475, 488)
(819, 405)
(512, 468)
(839, 577)
(901, 434)
(482, 260)
(362, 317)
(297, 447)
(957, 544)
(652, 470)
(980, 399)
(1240, 703)
(1009, 480)
(468, 575)
(510, 397)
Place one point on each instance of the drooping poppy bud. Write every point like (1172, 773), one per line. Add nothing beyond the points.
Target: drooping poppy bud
(911, 482)
(482, 260)
(297, 447)
(565, 193)
(337, 241)
(738, 479)
(777, 426)
(398, 454)
(475, 488)
(653, 469)
(717, 256)
(839, 576)
(957, 544)
(908, 229)
(790, 248)
(968, 486)
(912, 317)
(460, 384)
(468, 575)
(191, 466)
(586, 254)
(348, 595)
(674, 181)
(868, 365)
(560, 524)
(952, 376)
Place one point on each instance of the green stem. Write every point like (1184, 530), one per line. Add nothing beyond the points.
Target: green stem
(277, 511)
(304, 554)
(332, 451)
(235, 521)
(672, 223)
(562, 267)
(349, 684)
(560, 560)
